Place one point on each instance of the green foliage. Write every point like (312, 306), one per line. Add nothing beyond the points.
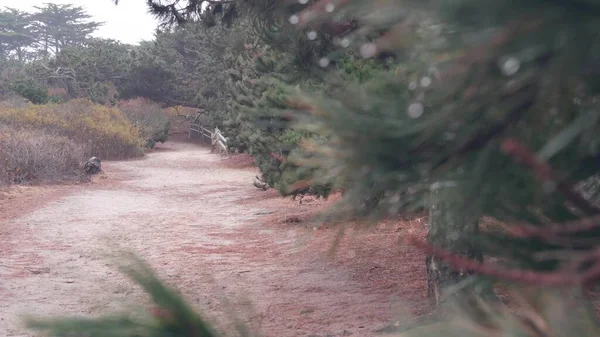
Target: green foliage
(15, 34)
(262, 77)
(219, 68)
(205, 11)
(183, 66)
(294, 176)
(31, 90)
(261, 130)
(57, 26)
(98, 68)
(478, 101)
(53, 48)
(100, 93)
(151, 76)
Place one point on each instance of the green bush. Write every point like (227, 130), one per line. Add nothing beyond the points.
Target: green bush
(31, 90)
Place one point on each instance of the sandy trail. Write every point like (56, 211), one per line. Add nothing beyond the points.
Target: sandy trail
(208, 232)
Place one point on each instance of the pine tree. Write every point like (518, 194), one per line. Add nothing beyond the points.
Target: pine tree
(58, 26)
(491, 97)
(173, 13)
(15, 34)
(91, 70)
(253, 92)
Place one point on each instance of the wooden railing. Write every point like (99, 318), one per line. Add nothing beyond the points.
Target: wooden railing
(216, 138)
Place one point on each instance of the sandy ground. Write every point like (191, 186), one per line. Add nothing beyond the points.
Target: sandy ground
(199, 222)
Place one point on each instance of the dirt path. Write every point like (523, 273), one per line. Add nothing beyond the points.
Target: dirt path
(207, 231)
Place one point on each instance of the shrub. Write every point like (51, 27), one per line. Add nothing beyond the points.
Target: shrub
(149, 117)
(106, 131)
(103, 93)
(14, 101)
(181, 117)
(33, 155)
(30, 90)
(58, 94)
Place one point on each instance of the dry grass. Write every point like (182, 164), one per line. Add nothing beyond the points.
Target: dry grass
(14, 101)
(31, 155)
(106, 131)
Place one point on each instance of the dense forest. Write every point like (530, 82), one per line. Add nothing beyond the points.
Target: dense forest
(483, 113)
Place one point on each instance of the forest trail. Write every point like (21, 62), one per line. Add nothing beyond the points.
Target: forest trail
(209, 233)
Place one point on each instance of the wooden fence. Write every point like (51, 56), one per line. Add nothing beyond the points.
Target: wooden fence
(216, 138)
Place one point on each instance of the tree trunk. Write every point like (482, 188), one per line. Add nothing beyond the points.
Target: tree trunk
(46, 46)
(450, 227)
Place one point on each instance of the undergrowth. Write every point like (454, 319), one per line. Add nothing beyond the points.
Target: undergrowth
(152, 121)
(32, 155)
(105, 131)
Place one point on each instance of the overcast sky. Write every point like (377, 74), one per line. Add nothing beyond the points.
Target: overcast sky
(128, 22)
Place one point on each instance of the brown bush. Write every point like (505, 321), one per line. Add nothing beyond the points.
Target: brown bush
(14, 101)
(149, 117)
(60, 93)
(107, 131)
(32, 155)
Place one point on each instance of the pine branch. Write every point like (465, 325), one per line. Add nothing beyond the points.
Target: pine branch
(317, 9)
(545, 173)
(485, 136)
(588, 277)
(556, 229)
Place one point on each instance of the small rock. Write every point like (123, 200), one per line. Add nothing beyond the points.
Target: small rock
(39, 271)
(292, 219)
(92, 166)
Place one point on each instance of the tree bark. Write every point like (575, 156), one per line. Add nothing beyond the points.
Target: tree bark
(450, 227)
